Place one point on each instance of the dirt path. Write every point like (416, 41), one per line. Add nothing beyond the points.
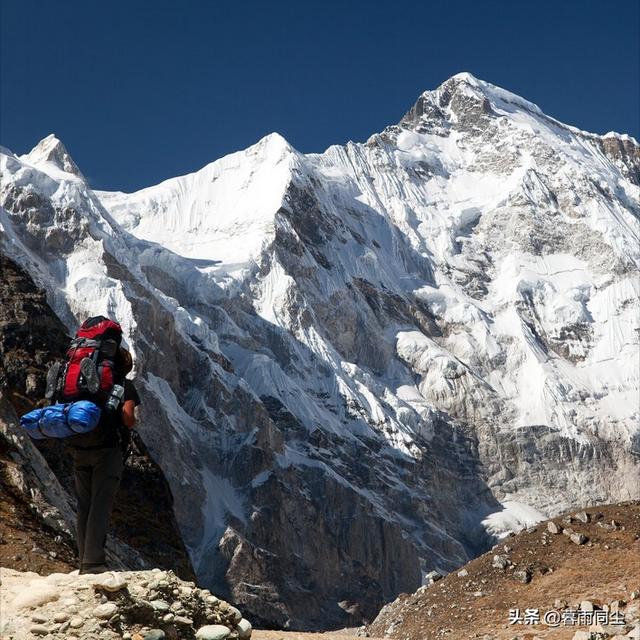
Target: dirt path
(302, 635)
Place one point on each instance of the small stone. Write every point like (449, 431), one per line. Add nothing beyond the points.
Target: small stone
(213, 632)
(61, 617)
(616, 605)
(63, 627)
(578, 538)
(244, 629)
(76, 623)
(463, 572)
(430, 578)
(583, 516)
(126, 636)
(586, 605)
(523, 576)
(39, 618)
(581, 635)
(160, 605)
(554, 528)
(39, 630)
(236, 616)
(114, 582)
(500, 562)
(53, 554)
(168, 618)
(105, 611)
(183, 620)
(211, 599)
(154, 634)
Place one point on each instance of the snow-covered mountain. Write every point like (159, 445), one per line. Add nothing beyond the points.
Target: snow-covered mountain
(355, 364)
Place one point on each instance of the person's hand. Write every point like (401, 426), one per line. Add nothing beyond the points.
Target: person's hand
(129, 414)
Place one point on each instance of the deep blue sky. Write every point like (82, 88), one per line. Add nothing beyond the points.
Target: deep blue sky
(140, 91)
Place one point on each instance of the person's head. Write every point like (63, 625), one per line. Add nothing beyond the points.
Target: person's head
(125, 361)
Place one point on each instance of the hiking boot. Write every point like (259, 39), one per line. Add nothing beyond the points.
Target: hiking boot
(93, 568)
(90, 374)
(52, 380)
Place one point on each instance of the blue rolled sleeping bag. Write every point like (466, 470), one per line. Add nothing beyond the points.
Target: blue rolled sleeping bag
(61, 420)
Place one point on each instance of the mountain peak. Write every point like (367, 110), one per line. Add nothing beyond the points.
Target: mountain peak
(464, 92)
(51, 149)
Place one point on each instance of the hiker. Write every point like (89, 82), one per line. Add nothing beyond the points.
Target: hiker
(93, 409)
(98, 465)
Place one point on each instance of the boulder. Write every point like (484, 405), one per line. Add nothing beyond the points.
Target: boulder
(213, 632)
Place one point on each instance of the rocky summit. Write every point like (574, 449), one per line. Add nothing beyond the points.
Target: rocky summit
(359, 367)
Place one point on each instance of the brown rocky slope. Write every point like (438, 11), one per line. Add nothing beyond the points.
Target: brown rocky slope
(585, 559)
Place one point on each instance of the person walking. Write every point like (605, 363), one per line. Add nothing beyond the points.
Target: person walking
(98, 465)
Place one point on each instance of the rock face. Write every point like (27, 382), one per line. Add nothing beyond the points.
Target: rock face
(349, 361)
(146, 604)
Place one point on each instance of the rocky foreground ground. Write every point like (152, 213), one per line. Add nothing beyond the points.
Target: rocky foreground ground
(128, 605)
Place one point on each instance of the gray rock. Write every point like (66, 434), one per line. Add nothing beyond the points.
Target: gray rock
(61, 617)
(76, 623)
(586, 605)
(552, 527)
(187, 622)
(523, 576)
(433, 576)
(583, 516)
(39, 618)
(154, 634)
(39, 630)
(105, 611)
(160, 605)
(578, 538)
(112, 583)
(500, 562)
(244, 629)
(213, 632)
(236, 615)
(463, 573)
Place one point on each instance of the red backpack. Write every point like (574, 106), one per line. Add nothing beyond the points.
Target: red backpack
(89, 371)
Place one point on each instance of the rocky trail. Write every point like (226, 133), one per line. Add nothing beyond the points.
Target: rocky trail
(132, 605)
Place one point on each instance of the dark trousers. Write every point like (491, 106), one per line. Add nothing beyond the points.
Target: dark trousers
(97, 476)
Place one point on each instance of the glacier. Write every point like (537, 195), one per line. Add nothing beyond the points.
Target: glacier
(351, 363)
